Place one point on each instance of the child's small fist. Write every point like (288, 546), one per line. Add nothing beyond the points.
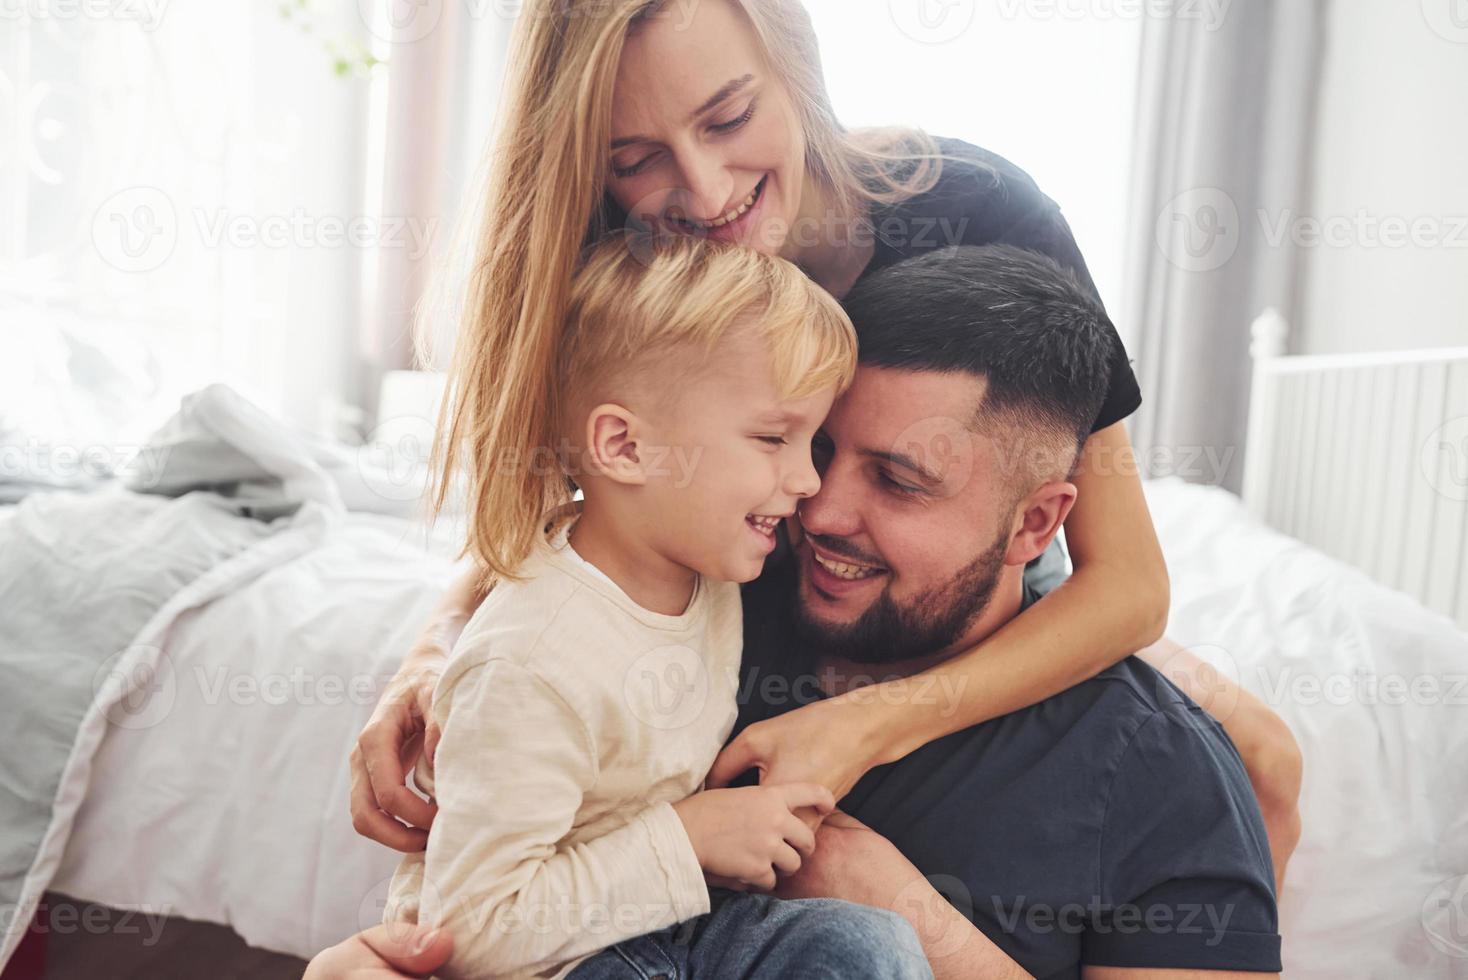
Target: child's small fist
(752, 834)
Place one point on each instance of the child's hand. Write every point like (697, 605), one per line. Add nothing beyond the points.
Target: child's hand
(751, 833)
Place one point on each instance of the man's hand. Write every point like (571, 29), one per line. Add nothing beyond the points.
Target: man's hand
(385, 751)
(852, 862)
(383, 951)
(857, 864)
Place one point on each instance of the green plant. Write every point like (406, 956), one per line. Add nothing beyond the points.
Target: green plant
(349, 56)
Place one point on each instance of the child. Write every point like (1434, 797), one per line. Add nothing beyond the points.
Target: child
(589, 694)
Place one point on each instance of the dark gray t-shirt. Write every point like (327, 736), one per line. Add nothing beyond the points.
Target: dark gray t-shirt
(1112, 824)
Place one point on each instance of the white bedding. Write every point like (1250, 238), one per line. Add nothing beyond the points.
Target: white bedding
(228, 800)
(1379, 885)
(254, 830)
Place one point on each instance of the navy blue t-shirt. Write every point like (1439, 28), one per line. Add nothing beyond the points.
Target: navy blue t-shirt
(1112, 824)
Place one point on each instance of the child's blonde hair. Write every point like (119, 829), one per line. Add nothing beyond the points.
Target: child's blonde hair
(644, 309)
(543, 198)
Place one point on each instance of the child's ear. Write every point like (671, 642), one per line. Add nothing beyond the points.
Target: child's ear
(1039, 517)
(612, 435)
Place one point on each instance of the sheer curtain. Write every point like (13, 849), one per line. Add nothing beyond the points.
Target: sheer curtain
(181, 198)
(433, 116)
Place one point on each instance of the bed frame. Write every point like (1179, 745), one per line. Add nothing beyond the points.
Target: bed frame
(1365, 457)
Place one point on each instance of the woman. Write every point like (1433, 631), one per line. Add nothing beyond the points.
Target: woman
(713, 119)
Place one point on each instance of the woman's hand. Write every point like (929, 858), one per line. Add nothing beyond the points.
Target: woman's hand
(381, 952)
(832, 743)
(385, 751)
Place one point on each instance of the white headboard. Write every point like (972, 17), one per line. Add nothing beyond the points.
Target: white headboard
(1365, 457)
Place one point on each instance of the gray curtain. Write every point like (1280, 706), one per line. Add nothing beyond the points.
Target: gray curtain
(444, 79)
(1224, 127)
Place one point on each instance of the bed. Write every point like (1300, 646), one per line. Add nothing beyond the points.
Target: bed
(230, 804)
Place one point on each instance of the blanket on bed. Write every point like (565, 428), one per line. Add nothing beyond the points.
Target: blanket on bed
(90, 584)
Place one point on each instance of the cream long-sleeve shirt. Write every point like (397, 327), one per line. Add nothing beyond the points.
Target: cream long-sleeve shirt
(572, 720)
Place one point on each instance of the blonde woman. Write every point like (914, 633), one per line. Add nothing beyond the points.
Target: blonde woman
(712, 119)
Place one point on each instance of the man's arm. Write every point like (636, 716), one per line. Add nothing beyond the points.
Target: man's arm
(855, 863)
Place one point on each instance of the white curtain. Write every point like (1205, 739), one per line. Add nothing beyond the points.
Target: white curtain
(181, 201)
(224, 190)
(1223, 136)
(445, 70)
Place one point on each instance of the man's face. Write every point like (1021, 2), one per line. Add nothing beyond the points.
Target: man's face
(906, 540)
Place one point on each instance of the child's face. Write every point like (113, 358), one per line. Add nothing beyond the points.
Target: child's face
(737, 461)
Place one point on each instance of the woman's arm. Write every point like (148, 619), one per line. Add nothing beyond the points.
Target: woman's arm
(1113, 605)
(385, 749)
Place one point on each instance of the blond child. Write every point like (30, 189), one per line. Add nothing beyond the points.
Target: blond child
(587, 697)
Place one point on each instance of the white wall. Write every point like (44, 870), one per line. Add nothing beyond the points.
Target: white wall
(1391, 151)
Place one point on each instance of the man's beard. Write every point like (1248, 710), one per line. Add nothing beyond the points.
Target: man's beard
(888, 633)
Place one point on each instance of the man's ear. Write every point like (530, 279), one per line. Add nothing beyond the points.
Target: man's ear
(1038, 518)
(612, 435)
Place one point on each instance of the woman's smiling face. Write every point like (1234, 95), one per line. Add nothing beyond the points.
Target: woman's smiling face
(703, 132)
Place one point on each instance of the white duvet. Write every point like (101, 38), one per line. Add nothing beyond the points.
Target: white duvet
(232, 806)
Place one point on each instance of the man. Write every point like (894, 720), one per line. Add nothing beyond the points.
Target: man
(1108, 829)
(1107, 832)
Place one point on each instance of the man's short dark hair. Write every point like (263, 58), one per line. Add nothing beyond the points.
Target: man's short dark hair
(1013, 317)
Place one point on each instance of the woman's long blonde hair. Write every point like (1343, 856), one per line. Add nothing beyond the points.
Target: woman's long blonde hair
(544, 200)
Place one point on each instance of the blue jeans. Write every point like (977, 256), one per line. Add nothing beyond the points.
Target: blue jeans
(749, 935)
